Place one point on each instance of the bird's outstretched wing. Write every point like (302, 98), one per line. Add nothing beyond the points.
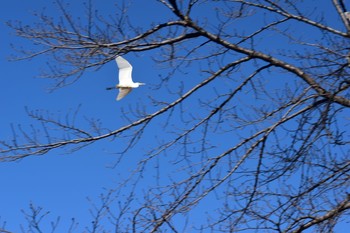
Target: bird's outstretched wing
(123, 91)
(125, 70)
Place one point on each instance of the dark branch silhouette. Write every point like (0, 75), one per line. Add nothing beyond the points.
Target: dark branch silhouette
(260, 127)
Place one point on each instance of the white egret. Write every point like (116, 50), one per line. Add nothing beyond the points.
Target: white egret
(125, 80)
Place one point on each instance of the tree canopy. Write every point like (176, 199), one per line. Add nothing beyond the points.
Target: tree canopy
(250, 131)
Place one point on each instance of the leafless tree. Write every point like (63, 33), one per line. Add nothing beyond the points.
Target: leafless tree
(259, 127)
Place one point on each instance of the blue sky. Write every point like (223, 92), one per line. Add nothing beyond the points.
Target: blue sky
(62, 182)
(59, 182)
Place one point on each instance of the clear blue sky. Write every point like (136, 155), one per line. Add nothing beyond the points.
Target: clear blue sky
(58, 182)
(61, 182)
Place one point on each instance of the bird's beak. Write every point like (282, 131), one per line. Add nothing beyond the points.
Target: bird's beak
(142, 84)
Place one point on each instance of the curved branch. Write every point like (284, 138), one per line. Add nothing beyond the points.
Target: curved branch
(273, 61)
(43, 149)
(342, 206)
(296, 17)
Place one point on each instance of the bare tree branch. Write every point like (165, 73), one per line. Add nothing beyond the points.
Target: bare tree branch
(254, 121)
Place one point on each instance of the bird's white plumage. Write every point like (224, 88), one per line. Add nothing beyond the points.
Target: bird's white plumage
(125, 79)
(123, 91)
(125, 70)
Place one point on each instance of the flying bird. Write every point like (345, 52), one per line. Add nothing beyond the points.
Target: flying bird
(125, 80)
